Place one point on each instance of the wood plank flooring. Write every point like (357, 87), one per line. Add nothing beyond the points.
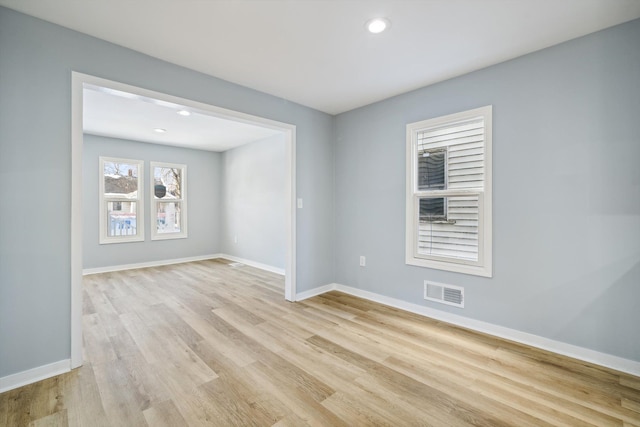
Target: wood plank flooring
(206, 344)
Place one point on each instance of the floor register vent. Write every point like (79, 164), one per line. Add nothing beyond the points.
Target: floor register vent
(445, 294)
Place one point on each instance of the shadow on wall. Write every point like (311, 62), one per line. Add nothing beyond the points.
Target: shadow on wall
(587, 308)
(613, 309)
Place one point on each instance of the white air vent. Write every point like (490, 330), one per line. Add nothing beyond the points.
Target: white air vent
(445, 294)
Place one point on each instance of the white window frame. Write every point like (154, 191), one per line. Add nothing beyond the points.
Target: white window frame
(104, 200)
(182, 234)
(484, 265)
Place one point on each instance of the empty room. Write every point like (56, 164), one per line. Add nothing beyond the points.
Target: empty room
(322, 213)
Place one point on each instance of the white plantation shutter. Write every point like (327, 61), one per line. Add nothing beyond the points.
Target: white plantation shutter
(455, 238)
(465, 151)
(456, 234)
(464, 143)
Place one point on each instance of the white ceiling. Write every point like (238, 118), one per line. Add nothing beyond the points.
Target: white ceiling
(119, 114)
(317, 53)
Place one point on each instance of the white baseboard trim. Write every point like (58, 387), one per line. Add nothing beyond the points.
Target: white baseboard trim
(123, 267)
(587, 355)
(33, 375)
(255, 264)
(316, 291)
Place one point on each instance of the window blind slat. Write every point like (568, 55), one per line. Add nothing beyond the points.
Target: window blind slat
(466, 171)
(466, 185)
(466, 159)
(465, 165)
(467, 238)
(458, 249)
(466, 145)
(449, 254)
(451, 128)
(466, 178)
(465, 153)
(449, 143)
(451, 137)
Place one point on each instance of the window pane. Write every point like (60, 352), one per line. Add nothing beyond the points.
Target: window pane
(120, 180)
(121, 219)
(457, 237)
(432, 209)
(460, 148)
(167, 183)
(431, 169)
(168, 217)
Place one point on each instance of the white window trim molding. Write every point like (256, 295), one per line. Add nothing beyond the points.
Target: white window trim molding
(139, 200)
(484, 265)
(182, 234)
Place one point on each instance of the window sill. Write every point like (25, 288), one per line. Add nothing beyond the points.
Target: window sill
(474, 270)
(169, 236)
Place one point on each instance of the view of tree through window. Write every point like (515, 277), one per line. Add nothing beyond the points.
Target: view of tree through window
(432, 175)
(171, 178)
(168, 200)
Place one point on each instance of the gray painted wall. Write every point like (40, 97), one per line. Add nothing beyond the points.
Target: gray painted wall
(203, 200)
(36, 61)
(254, 202)
(566, 223)
(566, 185)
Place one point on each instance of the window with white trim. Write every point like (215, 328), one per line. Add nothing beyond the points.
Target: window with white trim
(121, 207)
(168, 201)
(448, 224)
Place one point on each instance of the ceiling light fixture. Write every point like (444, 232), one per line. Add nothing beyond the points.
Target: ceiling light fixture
(160, 130)
(377, 25)
(184, 113)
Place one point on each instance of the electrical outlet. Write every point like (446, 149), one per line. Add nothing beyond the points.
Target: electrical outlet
(235, 239)
(363, 261)
(300, 203)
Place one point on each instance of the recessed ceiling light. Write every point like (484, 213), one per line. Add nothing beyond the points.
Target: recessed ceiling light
(160, 130)
(377, 25)
(184, 113)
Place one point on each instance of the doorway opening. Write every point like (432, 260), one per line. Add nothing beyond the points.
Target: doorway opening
(80, 83)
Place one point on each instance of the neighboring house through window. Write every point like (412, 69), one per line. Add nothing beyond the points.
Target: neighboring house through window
(448, 224)
(432, 175)
(121, 208)
(168, 201)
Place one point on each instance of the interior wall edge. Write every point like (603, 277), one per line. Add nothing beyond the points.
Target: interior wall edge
(255, 264)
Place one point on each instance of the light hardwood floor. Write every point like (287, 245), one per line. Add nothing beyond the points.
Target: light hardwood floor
(206, 344)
